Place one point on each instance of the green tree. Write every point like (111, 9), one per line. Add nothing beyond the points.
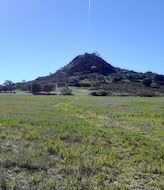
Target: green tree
(1, 88)
(8, 85)
(147, 82)
(35, 88)
(47, 88)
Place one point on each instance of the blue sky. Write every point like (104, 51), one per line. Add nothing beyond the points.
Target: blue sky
(37, 37)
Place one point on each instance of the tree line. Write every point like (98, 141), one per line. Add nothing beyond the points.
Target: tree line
(34, 88)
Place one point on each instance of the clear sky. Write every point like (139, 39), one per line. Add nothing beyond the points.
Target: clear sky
(37, 37)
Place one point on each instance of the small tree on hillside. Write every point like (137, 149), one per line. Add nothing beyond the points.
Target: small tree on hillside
(35, 88)
(116, 79)
(159, 79)
(147, 82)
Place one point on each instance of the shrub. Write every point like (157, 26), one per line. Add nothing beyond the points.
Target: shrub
(159, 79)
(5, 88)
(35, 88)
(47, 88)
(1, 88)
(147, 82)
(66, 91)
(147, 94)
(100, 93)
(8, 86)
(116, 79)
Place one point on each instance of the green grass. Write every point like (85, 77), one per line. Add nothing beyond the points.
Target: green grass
(81, 142)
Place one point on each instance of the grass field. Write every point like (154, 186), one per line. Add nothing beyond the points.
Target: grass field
(81, 142)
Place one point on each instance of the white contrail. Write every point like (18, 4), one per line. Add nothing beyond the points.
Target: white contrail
(89, 12)
(89, 8)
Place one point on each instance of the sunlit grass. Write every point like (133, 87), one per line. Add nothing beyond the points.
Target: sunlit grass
(81, 142)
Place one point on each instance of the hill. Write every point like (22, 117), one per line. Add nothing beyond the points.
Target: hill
(88, 63)
(93, 72)
(82, 68)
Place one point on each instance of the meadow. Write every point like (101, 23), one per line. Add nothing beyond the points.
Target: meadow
(81, 142)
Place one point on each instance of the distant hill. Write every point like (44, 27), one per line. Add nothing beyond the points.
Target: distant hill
(92, 71)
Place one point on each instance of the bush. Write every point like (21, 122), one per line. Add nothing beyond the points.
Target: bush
(47, 88)
(66, 91)
(147, 82)
(159, 79)
(8, 86)
(100, 93)
(147, 94)
(116, 79)
(1, 88)
(35, 88)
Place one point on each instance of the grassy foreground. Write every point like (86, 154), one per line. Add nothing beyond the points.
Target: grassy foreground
(81, 142)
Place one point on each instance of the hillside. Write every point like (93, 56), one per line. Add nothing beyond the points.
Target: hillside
(93, 72)
(88, 63)
(83, 67)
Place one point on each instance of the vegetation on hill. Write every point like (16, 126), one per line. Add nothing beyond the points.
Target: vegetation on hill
(92, 72)
(88, 63)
